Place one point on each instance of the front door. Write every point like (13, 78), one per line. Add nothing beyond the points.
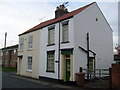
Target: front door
(67, 58)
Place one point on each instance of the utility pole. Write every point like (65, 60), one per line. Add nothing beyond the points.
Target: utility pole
(5, 39)
(88, 55)
(119, 24)
(118, 47)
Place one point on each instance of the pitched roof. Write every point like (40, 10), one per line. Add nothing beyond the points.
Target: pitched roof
(51, 21)
(10, 47)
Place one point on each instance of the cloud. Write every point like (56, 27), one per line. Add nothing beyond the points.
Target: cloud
(115, 40)
(59, 0)
(20, 15)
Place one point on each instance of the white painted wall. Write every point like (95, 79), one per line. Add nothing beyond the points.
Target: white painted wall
(43, 54)
(44, 48)
(101, 41)
(71, 35)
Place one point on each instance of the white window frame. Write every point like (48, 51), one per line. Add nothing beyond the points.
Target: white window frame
(29, 63)
(50, 61)
(21, 43)
(30, 42)
(65, 31)
(51, 35)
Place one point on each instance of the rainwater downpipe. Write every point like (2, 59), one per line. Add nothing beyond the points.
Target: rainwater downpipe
(59, 53)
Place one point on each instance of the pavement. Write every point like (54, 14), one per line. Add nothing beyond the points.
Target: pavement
(11, 80)
(92, 84)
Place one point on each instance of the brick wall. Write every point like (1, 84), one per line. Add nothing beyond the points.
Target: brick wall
(13, 58)
(9, 57)
(115, 75)
(5, 59)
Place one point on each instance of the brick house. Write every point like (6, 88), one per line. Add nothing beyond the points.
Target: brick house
(9, 56)
(0, 56)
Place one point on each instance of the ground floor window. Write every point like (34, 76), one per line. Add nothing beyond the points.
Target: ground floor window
(30, 63)
(50, 61)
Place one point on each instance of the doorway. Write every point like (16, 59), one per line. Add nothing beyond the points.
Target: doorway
(67, 65)
(67, 60)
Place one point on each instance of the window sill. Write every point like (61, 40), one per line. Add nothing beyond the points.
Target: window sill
(50, 71)
(64, 42)
(29, 71)
(50, 44)
(20, 50)
(30, 49)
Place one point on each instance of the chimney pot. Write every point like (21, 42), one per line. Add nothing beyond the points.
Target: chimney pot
(60, 10)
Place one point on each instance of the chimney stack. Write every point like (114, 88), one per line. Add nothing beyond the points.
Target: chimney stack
(60, 10)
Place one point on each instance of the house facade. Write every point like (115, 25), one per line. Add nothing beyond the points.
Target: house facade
(9, 56)
(72, 57)
(28, 54)
(72, 40)
(1, 57)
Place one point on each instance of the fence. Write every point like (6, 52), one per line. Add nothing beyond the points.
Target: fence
(95, 73)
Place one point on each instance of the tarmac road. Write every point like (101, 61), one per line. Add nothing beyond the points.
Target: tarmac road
(10, 81)
(16, 82)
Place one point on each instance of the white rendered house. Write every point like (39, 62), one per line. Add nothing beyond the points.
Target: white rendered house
(81, 38)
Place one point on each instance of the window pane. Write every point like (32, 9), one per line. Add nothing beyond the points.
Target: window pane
(51, 36)
(30, 38)
(50, 62)
(29, 63)
(30, 41)
(65, 33)
(21, 43)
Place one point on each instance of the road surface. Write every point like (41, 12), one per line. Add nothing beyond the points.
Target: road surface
(11, 81)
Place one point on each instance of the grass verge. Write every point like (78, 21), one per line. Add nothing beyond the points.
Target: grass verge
(8, 69)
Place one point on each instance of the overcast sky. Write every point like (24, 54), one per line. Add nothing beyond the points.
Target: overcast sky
(18, 16)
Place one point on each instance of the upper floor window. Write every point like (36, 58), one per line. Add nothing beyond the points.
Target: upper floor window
(30, 42)
(51, 35)
(65, 32)
(6, 52)
(30, 63)
(21, 43)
